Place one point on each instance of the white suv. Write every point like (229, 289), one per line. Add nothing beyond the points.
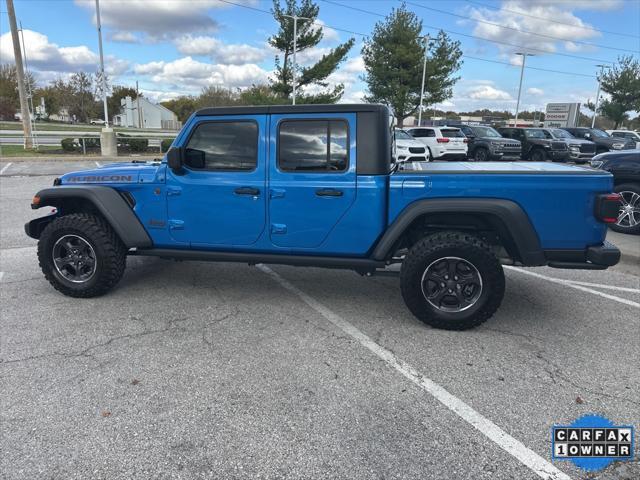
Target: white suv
(444, 143)
(628, 134)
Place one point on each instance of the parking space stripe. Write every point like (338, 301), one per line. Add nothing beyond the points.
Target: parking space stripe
(571, 284)
(605, 287)
(98, 164)
(509, 444)
(4, 169)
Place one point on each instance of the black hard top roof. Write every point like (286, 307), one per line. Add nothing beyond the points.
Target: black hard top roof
(306, 108)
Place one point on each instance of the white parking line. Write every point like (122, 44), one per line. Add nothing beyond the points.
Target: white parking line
(606, 287)
(98, 164)
(571, 284)
(4, 169)
(517, 449)
(1, 276)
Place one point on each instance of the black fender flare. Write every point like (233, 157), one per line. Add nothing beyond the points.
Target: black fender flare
(510, 215)
(106, 200)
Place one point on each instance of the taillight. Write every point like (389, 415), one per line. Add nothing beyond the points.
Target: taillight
(442, 140)
(466, 140)
(608, 207)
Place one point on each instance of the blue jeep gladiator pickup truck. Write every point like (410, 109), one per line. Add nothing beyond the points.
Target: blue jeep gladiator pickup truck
(315, 185)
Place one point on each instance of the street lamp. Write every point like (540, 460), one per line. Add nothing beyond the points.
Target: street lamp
(104, 80)
(595, 110)
(424, 72)
(524, 59)
(295, 47)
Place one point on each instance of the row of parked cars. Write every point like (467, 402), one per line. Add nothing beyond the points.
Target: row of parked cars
(484, 143)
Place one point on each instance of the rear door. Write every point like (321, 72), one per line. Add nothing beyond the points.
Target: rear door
(312, 176)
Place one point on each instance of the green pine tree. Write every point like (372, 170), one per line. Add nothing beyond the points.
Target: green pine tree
(309, 35)
(394, 57)
(622, 83)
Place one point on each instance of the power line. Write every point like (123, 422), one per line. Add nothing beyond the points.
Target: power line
(550, 52)
(527, 32)
(584, 27)
(374, 13)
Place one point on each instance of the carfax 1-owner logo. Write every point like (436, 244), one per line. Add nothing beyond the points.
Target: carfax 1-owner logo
(592, 442)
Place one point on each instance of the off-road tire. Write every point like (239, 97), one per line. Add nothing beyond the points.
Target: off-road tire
(452, 244)
(110, 253)
(627, 187)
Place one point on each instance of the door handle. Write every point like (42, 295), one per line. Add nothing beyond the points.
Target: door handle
(247, 191)
(328, 192)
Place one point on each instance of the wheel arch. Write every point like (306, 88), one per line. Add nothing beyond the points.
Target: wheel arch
(504, 217)
(96, 199)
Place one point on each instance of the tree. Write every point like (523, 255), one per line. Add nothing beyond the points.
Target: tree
(394, 57)
(83, 104)
(308, 36)
(118, 92)
(216, 96)
(261, 95)
(182, 106)
(622, 83)
(9, 98)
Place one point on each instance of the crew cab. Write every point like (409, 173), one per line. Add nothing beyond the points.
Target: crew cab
(604, 143)
(443, 143)
(485, 143)
(315, 185)
(580, 150)
(536, 144)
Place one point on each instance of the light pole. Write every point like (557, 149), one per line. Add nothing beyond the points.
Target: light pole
(595, 110)
(104, 80)
(424, 73)
(524, 59)
(295, 47)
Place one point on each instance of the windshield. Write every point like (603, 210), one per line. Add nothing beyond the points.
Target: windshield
(402, 135)
(598, 133)
(534, 133)
(486, 132)
(559, 133)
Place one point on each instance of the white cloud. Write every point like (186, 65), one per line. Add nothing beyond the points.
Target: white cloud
(535, 91)
(189, 75)
(235, 54)
(122, 37)
(487, 92)
(535, 19)
(157, 19)
(45, 56)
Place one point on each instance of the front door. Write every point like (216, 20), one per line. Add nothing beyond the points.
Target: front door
(223, 200)
(312, 177)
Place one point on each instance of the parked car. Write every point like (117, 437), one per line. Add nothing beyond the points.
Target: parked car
(604, 143)
(408, 149)
(625, 168)
(580, 150)
(443, 143)
(536, 144)
(626, 134)
(486, 143)
(314, 185)
(97, 122)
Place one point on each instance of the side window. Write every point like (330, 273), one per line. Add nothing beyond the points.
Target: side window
(617, 134)
(313, 146)
(430, 133)
(466, 130)
(417, 133)
(225, 145)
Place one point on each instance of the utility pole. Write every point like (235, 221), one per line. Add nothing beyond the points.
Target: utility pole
(104, 80)
(524, 59)
(17, 53)
(29, 92)
(295, 48)
(424, 73)
(138, 106)
(595, 110)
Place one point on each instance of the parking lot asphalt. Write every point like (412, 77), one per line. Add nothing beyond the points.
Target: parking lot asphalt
(203, 370)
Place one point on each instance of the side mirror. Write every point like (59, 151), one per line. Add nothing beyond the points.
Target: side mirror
(587, 136)
(174, 159)
(194, 158)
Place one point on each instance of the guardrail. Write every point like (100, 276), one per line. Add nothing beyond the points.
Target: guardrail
(86, 142)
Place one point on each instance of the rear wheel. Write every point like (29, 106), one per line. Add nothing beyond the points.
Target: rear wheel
(81, 256)
(629, 213)
(452, 280)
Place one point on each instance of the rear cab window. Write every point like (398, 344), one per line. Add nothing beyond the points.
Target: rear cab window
(313, 146)
(451, 133)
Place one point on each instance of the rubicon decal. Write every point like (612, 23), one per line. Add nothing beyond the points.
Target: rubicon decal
(592, 442)
(102, 179)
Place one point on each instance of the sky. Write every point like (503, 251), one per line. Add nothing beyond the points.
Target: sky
(177, 47)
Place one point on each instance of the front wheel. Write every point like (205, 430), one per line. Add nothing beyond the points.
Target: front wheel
(538, 155)
(81, 256)
(452, 280)
(481, 154)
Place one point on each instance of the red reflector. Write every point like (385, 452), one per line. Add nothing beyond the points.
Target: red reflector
(609, 220)
(442, 140)
(613, 197)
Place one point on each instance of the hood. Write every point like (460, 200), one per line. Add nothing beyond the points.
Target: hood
(611, 140)
(117, 173)
(574, 141)
(501, 140)
(408, 143)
